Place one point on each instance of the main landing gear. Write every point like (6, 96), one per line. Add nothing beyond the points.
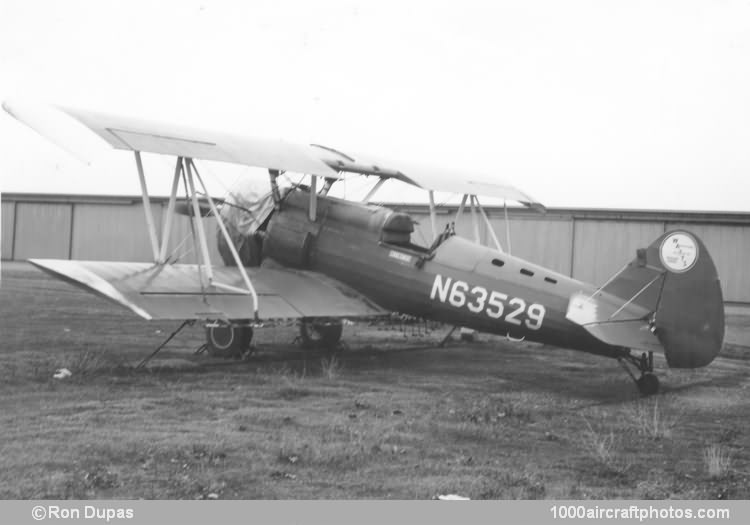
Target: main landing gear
(232, 339)
(229, 339)
(647, 383)
(320, 334)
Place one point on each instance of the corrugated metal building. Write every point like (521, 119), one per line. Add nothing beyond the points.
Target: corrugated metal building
(89, 228)
(588, 244)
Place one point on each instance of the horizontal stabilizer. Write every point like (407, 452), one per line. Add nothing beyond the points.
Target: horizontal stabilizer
(175, 291)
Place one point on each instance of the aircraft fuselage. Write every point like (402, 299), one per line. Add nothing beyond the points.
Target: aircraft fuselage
(459, 282)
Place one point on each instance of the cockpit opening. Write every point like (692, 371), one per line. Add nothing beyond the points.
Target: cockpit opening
(397, 231)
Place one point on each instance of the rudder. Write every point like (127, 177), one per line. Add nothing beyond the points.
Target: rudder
(690, 316)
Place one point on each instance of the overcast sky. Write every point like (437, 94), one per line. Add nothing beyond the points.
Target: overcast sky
(579, 103)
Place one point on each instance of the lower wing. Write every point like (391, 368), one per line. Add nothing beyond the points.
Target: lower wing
(176, 291)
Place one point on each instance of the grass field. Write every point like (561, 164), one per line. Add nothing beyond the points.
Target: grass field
(392, 417)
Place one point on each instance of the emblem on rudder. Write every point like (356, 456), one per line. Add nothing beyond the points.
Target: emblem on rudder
(679, 252)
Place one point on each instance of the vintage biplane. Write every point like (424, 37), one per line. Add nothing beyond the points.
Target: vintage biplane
(320, 259)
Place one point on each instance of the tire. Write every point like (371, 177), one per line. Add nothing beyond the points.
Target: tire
(648, 384)
(228, 340)
(320, 334)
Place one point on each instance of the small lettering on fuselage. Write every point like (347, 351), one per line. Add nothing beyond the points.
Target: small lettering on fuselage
(478, 299)
(400, 256)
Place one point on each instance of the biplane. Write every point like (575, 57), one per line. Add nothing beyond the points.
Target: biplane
(319, 259)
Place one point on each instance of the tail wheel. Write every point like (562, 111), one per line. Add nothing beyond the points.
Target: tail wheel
(648, 384)
(320, 334)
(228, 339)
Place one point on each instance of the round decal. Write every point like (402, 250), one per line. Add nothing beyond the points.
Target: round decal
(678, 252)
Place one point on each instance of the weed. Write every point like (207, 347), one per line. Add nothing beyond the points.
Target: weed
(330, 367)
(286, 373)
(656, 485)
(490, 413)
(717, 460)
(651, 421)
(101, 478)
(292, 450)
(524, 484)
(292, 383)
(602, 446)
(87, 362)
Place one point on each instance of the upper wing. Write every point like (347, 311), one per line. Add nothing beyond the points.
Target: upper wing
(66, 127)
(175, 292)
(437, 178)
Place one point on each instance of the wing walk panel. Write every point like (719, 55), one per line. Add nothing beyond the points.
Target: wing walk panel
(175, 291)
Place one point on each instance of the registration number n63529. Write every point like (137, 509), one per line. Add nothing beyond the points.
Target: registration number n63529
(478, 299)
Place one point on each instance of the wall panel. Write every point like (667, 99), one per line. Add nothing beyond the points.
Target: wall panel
(112, 232)
(547, 242)
(729, 247)
(42, 230)
(8, 211)
(602, 247)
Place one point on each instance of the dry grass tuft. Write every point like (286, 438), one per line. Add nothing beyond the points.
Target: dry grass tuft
(86, 362)
(717, 460)
(651, 420)
(603, 447)
(330, 367)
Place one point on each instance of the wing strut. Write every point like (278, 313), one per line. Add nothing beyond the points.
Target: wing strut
(461, 208)
(147, 207)
(477, 209)
(185, 168)
(198, 220)
(313, 211)
(250, 289)
(273, 175)
(167, 229)
(507, 227)
(374, 189)
(433, 219)
(487, 222)
(474, 220)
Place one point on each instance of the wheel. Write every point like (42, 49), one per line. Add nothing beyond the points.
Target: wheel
(228, 339)
(320, 334)
(648, 384)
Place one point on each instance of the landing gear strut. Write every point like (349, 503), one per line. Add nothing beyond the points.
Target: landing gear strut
(647, 383)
